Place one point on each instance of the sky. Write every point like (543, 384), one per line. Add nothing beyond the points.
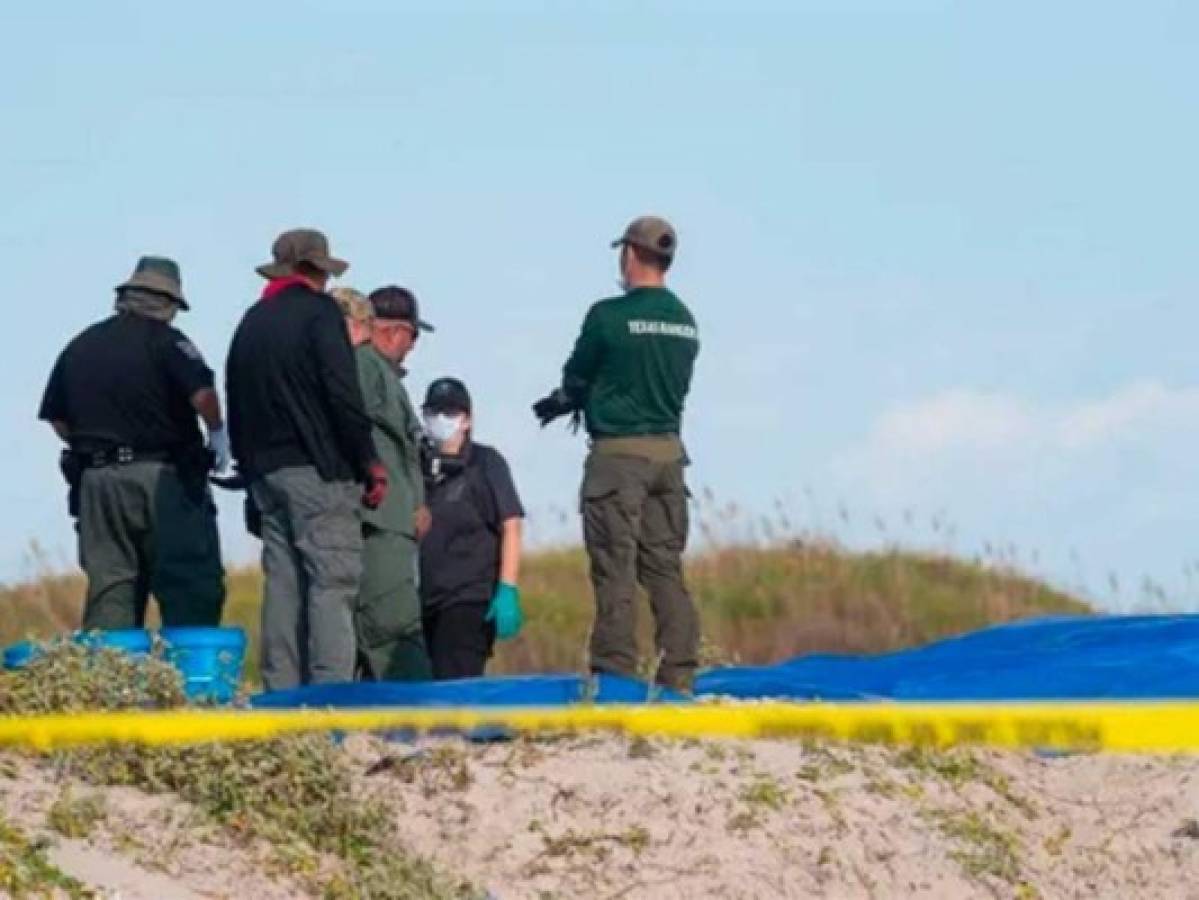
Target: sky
(941, 254)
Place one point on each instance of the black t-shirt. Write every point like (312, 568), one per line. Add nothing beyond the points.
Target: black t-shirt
(460, 556)
(128, 381)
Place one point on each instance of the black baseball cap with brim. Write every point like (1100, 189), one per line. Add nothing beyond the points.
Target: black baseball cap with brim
(301, 245)
(398, 304)
(447, 395)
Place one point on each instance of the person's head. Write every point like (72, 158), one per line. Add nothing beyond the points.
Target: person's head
(397, 322)
(154, 290)
(303, 253)
(647, 250)
(358, 314)
(447, 414)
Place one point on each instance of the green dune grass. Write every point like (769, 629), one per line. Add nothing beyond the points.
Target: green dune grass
(758, 604)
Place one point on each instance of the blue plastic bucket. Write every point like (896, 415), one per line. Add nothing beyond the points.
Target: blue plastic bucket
(18, 656)
(210, 659)
(134, 641)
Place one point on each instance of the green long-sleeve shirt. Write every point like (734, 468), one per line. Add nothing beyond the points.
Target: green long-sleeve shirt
(632, 364)
(397, 435)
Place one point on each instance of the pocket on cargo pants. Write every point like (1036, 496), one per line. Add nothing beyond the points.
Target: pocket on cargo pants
(611, 498)
(330, 544)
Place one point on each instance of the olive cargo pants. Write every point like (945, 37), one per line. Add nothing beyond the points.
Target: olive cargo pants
(312, 562)
(141, 532)
(635, 525)
(387, 616)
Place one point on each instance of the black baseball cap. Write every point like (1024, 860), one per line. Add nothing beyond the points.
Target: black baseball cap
(447, 395)
(398, 305)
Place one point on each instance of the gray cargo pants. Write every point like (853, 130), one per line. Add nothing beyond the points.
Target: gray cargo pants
(141, 532)
(312, 562)
(635, 523)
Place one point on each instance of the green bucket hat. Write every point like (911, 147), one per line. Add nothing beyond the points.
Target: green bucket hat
(158, 274)
(301, 245)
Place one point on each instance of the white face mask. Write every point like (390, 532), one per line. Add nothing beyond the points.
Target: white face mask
(441, 428)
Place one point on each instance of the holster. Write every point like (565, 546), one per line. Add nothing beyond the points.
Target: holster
(193, 466)
(71, 465)
(253, 516)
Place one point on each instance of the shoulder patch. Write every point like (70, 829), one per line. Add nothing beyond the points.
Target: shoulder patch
(190, 350)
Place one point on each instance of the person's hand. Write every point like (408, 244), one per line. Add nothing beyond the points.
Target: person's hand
(376, 486)
(505, 611)
(222, 454)
(423, 522)
(552, 406)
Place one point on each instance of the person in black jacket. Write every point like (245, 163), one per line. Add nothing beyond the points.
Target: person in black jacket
(302, 438)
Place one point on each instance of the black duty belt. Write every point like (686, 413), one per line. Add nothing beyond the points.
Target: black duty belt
(118, 456)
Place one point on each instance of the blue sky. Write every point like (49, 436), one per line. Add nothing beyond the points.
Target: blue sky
(941, 254)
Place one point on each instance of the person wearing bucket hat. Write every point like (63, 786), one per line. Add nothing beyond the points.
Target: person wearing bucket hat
(387, 621)
(470, 560)
(125, 396)
(302, 437)
(629, 376)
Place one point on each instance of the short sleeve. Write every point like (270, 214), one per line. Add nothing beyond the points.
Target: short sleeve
(184, 363)
(503, 489)
(54, 400)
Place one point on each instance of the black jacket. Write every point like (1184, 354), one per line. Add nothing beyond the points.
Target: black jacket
(292, 387)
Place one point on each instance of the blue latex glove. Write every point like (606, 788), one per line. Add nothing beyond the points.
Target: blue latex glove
(505, 611)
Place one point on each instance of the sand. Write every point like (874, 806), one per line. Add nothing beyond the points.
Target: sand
(606, 817)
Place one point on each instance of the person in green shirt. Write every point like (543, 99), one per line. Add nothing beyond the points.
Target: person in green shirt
(387, 615)
(629, 377)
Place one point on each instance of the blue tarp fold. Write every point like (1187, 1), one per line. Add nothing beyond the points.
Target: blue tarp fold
(1070, 658)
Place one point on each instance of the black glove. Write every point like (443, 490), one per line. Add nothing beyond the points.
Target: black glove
(552, 406)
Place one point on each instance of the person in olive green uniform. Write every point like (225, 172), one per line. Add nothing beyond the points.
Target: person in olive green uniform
(629, 376)
(387, 616)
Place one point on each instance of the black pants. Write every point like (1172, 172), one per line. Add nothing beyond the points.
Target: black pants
(459, 640)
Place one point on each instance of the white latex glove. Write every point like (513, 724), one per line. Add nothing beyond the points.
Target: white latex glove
(218, 443)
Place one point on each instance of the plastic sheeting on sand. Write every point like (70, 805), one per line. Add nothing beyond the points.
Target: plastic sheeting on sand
(1075, 658)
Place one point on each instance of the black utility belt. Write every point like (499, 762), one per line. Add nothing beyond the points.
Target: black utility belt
(118, 456)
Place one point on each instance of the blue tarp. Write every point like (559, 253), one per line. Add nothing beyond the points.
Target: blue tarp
(1072, 658)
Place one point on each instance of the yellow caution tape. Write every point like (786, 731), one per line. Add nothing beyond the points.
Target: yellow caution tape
(1164, 727)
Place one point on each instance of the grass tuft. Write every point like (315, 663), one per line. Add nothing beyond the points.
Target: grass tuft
(26, 872)
(294, 794)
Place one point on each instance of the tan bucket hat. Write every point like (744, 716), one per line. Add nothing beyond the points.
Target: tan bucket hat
(159, 274)
(301, 245)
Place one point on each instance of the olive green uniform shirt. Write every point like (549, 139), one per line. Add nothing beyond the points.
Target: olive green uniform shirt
(632, 364)
(397, 435)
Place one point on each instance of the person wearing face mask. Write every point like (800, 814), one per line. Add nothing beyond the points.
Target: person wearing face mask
(470, 559)
(629, 375)
(387, 615)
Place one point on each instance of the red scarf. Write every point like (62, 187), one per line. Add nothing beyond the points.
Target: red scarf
(279, 285)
